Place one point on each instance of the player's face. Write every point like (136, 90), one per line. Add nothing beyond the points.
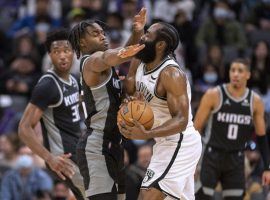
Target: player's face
(94, 39)
(61, 55)
(148, 53)
(239, 75)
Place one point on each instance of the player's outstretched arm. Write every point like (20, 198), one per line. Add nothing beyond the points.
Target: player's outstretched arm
(101, 61)
(207, 104)
(259, 124)
(30, 119)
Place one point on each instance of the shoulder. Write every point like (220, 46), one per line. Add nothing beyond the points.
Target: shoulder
(257, 101)
(172, 72)
(213, 92)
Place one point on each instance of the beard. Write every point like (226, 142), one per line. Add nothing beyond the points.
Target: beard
(148, 53)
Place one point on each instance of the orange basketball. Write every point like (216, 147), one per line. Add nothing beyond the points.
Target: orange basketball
(139, 111)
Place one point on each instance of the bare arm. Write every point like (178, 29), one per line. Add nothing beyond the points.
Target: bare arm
(130, 80)
(101, 61)
(258, 115)
(174, 83)
(30, 119)
(208, 103)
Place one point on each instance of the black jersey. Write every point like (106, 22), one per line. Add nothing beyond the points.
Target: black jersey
(101, 104)
(230, 125)
(59, 99)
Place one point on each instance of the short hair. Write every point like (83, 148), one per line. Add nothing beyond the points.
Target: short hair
(170, 35)
(244, 61)
(56, 35)
(78, 31)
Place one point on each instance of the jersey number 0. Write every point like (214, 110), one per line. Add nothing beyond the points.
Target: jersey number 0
(232, 132)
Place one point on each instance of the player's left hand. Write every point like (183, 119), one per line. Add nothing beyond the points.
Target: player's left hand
(266, 178)
(139, 20)
(136, 132)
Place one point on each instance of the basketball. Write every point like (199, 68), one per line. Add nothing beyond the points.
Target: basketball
(139, 111)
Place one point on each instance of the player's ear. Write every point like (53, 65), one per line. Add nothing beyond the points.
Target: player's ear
(161, 45)
(82, 43)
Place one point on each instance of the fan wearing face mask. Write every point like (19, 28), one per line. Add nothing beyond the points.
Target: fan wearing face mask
(221, 29)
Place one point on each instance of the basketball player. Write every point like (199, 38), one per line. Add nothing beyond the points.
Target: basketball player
(165, 86)
(55, 104)
(100, 154)
(231, 110)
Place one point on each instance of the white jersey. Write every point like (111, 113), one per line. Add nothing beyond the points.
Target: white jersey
(146, 83)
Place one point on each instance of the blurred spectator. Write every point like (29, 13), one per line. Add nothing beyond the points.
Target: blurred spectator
(37, 161)
(38, 22)
(166, 10)
(9, 145)
(60, 191)
(25, 45)
(23, 182)
(21, 77)
(221, 29)
(187, 33)
(94, 9)
(8, 13)
(209, 79)
(260, 67)
(259, 18)
(116, 32)
(136, 172)
(215, 58)
(75, 16)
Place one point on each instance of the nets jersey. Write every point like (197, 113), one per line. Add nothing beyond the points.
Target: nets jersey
(59, 99)
(230, 125)
(146, 83)
(101, 104)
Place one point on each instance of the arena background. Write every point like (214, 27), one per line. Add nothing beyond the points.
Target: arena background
(212, 34)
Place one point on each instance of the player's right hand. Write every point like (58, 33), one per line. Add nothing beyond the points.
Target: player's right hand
(62, 165)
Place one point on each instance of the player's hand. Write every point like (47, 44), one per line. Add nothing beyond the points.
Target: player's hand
(137, 96)
(266, 178)
(139, 20)
(130, 51)
(62, 165)
(136, 132)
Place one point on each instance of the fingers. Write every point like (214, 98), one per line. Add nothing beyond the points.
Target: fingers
(130, 50)
(59, 173)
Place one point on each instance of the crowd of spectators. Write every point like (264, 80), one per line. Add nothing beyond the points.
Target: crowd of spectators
(212, 32)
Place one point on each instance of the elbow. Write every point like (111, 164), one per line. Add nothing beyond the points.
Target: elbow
(183, 124)
(22, 130)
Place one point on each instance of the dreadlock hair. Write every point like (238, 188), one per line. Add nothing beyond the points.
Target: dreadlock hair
(170, 35)
(78, 31)
(56, 35)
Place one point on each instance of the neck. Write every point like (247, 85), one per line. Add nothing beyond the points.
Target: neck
(63, 75)
(154, 63)
(236, 92)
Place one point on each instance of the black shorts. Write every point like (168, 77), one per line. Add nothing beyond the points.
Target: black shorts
(226, 167)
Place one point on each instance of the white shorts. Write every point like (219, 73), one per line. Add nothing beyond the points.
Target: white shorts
(173, 165)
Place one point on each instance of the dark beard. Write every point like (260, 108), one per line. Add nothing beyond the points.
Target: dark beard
(148, 53)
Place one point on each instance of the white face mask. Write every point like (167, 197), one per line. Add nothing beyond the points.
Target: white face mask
(221, 13)
(24, 161)
(210, 77)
